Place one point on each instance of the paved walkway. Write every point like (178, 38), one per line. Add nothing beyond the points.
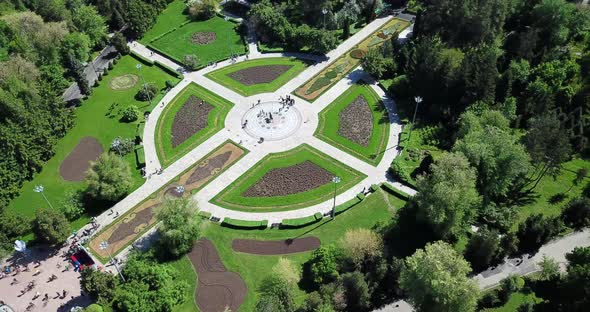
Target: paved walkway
(234, 131)
(99, 64)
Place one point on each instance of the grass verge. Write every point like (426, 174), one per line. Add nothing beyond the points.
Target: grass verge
(222, 77)
(329, 124)
(232, 198)
(216, 121)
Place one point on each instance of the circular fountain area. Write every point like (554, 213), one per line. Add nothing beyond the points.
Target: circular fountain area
(271, 121)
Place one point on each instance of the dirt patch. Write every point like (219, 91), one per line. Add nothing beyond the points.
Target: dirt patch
(123, 82)
(190, 119)
(203, 37)
(217, 289)
(275, 247)
(259, 74)
(295, 179)
(75, 165)
(356, 121)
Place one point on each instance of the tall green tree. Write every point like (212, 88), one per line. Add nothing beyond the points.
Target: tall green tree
(179, 226)
(447, 198)
(435, 278)
(51, 226)
(87, 20)
(109, 178)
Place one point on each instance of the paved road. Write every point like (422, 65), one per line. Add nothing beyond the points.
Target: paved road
(100, 63)
(556, 249)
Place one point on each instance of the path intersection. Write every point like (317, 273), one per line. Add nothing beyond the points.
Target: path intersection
(234, 131)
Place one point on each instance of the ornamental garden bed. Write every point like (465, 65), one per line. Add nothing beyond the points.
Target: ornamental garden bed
(240, 195)
(193, 116)
(258, 76)
(356, 122)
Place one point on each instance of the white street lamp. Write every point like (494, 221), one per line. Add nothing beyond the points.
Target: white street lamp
(335, 180)
(418, 100)
(40, 189)
(105, 246)
(138, 66)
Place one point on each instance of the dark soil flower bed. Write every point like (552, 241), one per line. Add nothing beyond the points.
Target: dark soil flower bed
(204, 37)
(134, 223)
(295, 179)
(190, 119)
(74, 167)
(210, 167)
(259, 74)
(356, 121)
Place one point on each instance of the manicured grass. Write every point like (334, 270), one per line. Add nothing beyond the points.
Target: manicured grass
(216, 121)
(539, 201)
(329, 124)
(97, 117)
(516, 299)
(171, 17)
(222, 77)
(377, 209)
(232, 198)
(186, 273)
(178, 43)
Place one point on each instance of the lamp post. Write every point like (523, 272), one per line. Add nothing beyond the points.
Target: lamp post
(138, 66)
(39, 189)
(324, 12)
(418, 100)
(104, 245)
(335, 180)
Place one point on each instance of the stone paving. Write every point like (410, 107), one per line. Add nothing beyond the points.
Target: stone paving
(233, 131)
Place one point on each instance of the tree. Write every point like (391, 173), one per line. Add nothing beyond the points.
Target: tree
(492, 148)
(191, 62)
(99, 285)
(537, 230)
(93, 308)
(51, 226)
(109, 178)
(202, 9)
(287, 270)
(139, 16)
(349, 12)
(447, 198)
(480, 72)
(12, 227)
(276, 293)
(87, 20)
(77, 45)
(147, 92)
(72, 206)
(131, 113)
(376, 65)
(324, 264)
(508, 286)
(580, 176)
(360, 245)
(548, 144)
(436, 276)
(120, 43)
(357, 293)
(179, 226)
(549, 269)
(483, 249)
(577, 213)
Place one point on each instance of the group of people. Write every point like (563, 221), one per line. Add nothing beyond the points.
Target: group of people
(288, 100)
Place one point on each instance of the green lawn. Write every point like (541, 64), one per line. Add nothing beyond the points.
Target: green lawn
(178, 43)
(97, 117)
(376, 209)
(216, 121)
(171, 17)
(222, 77)
(187, 274)
(539, 201)
(515, 301)
(329, 124)
(232, 198)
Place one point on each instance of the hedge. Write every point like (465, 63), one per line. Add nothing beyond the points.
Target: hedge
(374, 188)
(301, 222)
(169, 70)
(395, 192)
(360, 196)
(244, 224)
(205, 214)
(142, 59)
(139, 131)
(347, 205)
(140, 157)
(164, 54)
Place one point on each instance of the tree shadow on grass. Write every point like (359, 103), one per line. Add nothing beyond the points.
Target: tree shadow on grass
(407, 233)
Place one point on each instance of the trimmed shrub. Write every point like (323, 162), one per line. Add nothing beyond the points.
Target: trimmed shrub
(360, 196)
(301, 222)
(205, 214)
(168, 70)
(399, 172)
(347, 205)
(395, 192)
(374, 188)
(142, 59)
(140, 157)
(147, 92)
(244, 224)
(130, 114)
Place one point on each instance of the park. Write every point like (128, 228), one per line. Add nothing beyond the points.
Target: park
(240, 156)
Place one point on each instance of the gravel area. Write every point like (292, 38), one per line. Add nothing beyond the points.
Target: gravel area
(295, 179)
(190, 119)
(204, 37)
(259, 74)
(356, 121)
